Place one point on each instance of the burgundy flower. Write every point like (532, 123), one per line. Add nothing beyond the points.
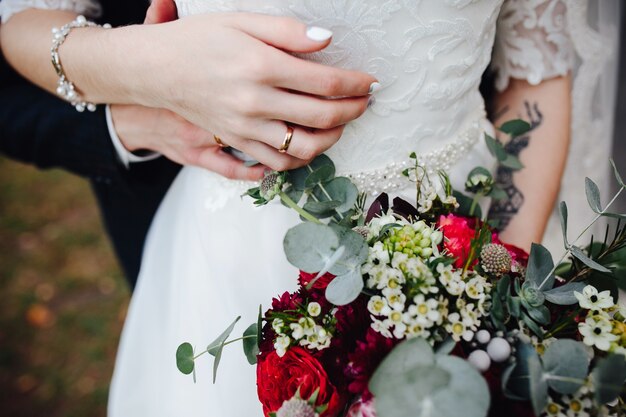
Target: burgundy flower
(365, 359)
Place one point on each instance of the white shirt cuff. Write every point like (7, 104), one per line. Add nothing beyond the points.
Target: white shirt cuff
(126, 157)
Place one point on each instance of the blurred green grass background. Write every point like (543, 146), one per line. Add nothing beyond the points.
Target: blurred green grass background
(63, 298)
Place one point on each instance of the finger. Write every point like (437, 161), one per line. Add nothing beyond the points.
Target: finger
(312, 111)
(305, 144)
(215, 159)
(161, 11)
(321, 80)
(282, 32)
(268, 156)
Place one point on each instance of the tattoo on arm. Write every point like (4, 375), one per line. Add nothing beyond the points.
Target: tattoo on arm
(504, 210)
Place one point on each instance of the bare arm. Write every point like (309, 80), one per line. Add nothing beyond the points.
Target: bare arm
(532, 192)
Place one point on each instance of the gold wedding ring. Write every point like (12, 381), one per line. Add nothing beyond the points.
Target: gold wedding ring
(288, 136)
(219, 141)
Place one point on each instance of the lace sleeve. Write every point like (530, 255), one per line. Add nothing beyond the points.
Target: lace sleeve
(8, 8)
(532, 41)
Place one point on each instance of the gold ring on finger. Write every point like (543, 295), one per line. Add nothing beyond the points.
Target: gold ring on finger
(288, 136)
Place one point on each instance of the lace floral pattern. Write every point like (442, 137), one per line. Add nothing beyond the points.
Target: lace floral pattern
(533, 41)
(8, 8)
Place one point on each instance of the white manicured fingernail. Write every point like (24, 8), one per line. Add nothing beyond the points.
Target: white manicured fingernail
(374, 87)
(318, 34)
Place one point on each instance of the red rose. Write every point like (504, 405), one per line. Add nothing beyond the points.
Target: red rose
(320, 284)
(278, 380)
(458, 233)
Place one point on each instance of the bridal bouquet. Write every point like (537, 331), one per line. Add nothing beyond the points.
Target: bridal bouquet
(422, 310)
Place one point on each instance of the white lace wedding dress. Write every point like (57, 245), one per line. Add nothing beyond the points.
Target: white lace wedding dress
(211, 256)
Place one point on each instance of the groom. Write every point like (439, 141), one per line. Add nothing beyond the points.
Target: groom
(38, 128)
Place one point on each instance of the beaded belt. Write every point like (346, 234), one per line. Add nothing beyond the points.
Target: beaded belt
(390, 178)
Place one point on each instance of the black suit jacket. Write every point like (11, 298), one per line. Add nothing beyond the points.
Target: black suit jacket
(40, 129)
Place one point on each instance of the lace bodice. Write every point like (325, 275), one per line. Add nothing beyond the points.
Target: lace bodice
(429, 56)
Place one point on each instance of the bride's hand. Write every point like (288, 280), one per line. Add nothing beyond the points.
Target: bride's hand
(230, 74)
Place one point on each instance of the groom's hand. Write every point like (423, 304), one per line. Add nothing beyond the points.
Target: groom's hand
(169, 134)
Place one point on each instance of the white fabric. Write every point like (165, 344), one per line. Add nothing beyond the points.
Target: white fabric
(126, 157)
(211, 256)
(89, 8)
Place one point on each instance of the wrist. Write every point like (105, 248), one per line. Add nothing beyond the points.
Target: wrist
(126, 121)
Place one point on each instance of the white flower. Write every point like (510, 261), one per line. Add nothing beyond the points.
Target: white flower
(577, 406)
(475, 288)
(377, 223)
(451, 200)
(471, 318)
(553, 410)
(416, 330)
(314, 309)
(395, 298)
(457, 328)
(424, 205)
(399, 260)
(381, 327)
(281, 344)
(596, 331)
(378, 306)
(451, 279)
(318, 339)
(590, 299)
(277, 325)
(396, 319)
(426, 311)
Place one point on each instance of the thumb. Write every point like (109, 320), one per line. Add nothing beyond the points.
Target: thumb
(282, 32)
(161, 11)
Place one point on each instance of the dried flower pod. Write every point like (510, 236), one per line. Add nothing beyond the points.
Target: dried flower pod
(296, 407)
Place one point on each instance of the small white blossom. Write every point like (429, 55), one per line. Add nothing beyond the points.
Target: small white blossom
(577, 406)
(426, 311)
(381, 327)
(314, 309)
(553, 410)
(281, 344)
(395, 298)
(277, 325)
(596, 331)
(590, 299)
(378, 306)
(457, 329)
(377, 223)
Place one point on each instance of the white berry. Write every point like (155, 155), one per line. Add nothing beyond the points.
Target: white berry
(483, 337)
(499, 350)
(480, 360)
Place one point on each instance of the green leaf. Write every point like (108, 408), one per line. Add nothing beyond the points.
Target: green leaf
(446, 347)
(608, 378)
(308, 246)
(593, 195)
(217, 346)
(402, 389)
(498, 193)
(539, 314)
(519, 380)
(321, 175)
(355, 253)
(540, 265)
(465, 204)
(618, 178)
(512, 162)
(339, 189)
(580, 255)
(538, 385)
(344, 289)
(322, 208)
(564, 295)
(563, 217)
(259, 325)
(184, 358)
(250, 343)
(564, 362)
(532, 325)
(297, 177)
(515, 127)
(495, 148)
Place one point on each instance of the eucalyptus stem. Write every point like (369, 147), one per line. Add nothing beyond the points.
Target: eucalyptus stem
(251, 336)
(325, 193)
(292, 204)
(569, 246)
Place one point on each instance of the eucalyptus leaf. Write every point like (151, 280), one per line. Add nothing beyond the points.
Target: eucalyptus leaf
(344, 289)
(250, 343)
(512, 162)
(414, 382)
(217, 347)
(515, 306)
(319, 176)
(539, 314)
(498, 193)
(321, 208)
(593, 195)
(615, 216)
(446, 347)
(495, 148)
(465, 204)
(308, 246)
(355, 254)
(564, 295)
(608, 378)
(338, 189)
(297, 177)
(563, 217)
(540, 265)
(519, 379)
(565, 365)
(532, 325)
(184, 358)
(538, 385)
(515, 127)
(618, 178)
(580, 255)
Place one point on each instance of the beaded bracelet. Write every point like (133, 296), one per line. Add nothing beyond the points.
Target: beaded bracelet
(65, 88)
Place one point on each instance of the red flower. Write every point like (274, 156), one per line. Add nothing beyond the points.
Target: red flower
(365, 359)
(278, 380)
(320, 284)
(458, 233)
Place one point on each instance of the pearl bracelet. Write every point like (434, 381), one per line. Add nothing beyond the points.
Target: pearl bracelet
(65, 88)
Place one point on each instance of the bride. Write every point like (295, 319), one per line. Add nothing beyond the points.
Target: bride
(387, 76)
